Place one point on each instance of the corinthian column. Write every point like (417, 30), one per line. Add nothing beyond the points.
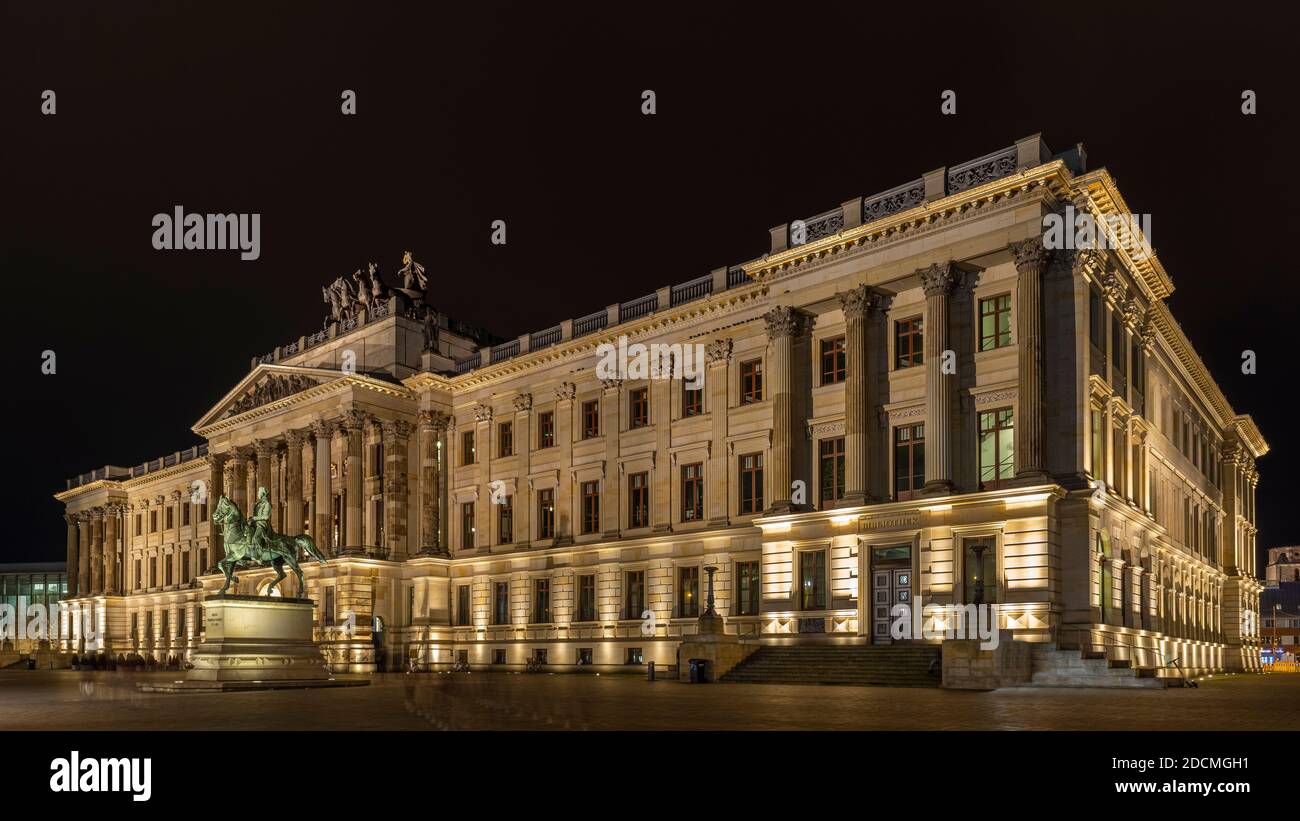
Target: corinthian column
(396, 440)
(240, 457)
(717, 354)
(433, 424)
(784, 324)
(71, 554)
(857, 304)
(323, 431)
(111, 514)
(938, 282)
(216, 488)
(354, 422)
(1031, 260)
(293, 482)
(97, 551)
(83, 554)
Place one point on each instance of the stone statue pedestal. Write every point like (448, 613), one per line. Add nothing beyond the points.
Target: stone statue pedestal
(255, 643)
(711, 643)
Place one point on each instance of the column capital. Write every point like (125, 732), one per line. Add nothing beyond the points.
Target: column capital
(266, 448)
(218, 460)
(354, 420)
(242, 453)
(611, 384)
(785, 321)
(294, 437)
(566, 391)
(523, 402)
(482, 413)
(718, 351)
(858, 302)
(434, 420)
(940, 278)
(1031, 255)
(97, 512)
(395, 428)
(322, 428)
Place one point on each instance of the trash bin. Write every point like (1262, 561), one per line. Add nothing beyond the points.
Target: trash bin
(699, 671)
(650, 671)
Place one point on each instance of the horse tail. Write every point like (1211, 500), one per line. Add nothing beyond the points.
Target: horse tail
(308, 544)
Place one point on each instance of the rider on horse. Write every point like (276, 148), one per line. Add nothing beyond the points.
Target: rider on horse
(261, 519)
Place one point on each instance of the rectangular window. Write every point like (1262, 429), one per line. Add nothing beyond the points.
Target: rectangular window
(909, 461)
(751, 381)
(980, 570)
(747, 588)
(634, 656)
(506, 439)
(995, 322)
(1097, 320)
(587, 598)
(546, 514)
(639, 408)
(541, 601)
(501, 603)
(638, 497)
(462, 605)
(167, 571)
(908, 343)
(185, 515)
(1118, 450)
(1118, 341)
(139, 519)
(185, 567)
(590, 419)
(506, 521)
(139, 575)
(377, 459)
(468, 453)
(584, 655)
(467, 524)
(997, 443)
(153, 521)
(634, 594)
(168, 519)
(830, 468)
(812, 580)
(327, 607)
(591, 507)
(378, 506)
(498, 655)
(692, 400)
(751, 483)
(833, 360)
(545, 429)
(203, 515)
(688, 591)
(153, 571)
(410, 605)
(693, 492)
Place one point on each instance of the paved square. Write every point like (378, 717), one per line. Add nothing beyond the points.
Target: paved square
(66, 700)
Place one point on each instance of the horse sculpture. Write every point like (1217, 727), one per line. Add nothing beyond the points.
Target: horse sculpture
(277, 549)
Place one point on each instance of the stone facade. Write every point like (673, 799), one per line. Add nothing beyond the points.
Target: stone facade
(482, 503)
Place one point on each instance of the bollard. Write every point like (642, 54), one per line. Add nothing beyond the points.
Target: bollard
(650, 671)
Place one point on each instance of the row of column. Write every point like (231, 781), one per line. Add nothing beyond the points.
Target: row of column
(92, 551)
(240, 472)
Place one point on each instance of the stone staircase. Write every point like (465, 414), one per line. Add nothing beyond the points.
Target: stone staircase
(895, 665)
(1053, 667)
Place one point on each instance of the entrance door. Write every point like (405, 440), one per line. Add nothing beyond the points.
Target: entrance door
(891, 584)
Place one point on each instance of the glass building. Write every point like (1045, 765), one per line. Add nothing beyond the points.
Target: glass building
(34, 584)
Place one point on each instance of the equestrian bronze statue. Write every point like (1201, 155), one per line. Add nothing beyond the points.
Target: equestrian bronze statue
(251, 542)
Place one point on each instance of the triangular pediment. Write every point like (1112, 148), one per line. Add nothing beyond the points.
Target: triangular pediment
(264, 386)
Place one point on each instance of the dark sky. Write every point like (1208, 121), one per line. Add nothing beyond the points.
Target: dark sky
(530, 113)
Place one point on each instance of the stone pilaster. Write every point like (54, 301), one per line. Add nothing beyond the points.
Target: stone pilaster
(784, 325)
(611, 415)
(857, 304)
(1031, 259)
(938, 282)
(433, 427)
(72, 556)
(323, 431)
(239, 478)
(717, 355)
(293, 482)
(396, 441)
(523, 503)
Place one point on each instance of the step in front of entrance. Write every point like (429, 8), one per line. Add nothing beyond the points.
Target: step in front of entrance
(861, 665)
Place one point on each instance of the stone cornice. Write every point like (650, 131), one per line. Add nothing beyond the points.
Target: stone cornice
(127, 485)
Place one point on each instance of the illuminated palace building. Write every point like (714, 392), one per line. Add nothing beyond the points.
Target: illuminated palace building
(910, 398)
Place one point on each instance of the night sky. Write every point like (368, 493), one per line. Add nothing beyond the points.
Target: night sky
(473, 112)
